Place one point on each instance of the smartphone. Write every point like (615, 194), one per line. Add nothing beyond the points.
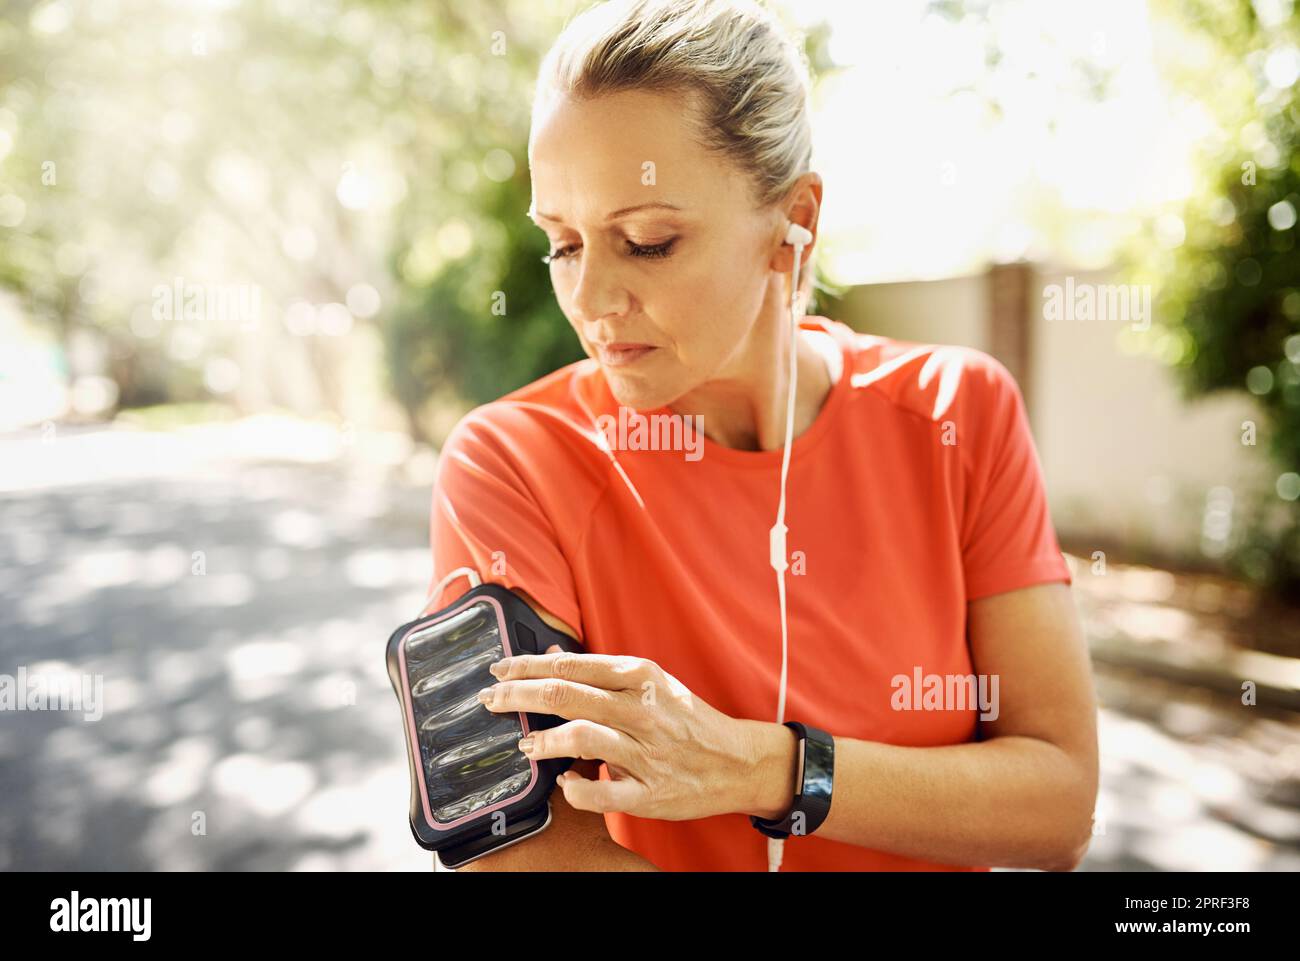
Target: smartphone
(472, 790)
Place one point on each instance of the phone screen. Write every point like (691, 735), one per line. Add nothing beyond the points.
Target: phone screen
(469, 755)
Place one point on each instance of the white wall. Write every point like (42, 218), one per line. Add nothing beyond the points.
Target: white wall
(948, 311)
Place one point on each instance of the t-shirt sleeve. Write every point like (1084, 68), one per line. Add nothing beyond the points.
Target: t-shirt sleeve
(484, 516)
(1008, 541)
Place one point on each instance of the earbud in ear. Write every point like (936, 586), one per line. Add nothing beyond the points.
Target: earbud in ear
(797, 235)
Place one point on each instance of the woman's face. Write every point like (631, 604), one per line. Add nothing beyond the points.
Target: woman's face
(655, 242)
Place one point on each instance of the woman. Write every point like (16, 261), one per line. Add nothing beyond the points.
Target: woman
(670, 148)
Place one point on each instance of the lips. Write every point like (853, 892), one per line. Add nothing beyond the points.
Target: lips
(622, 354)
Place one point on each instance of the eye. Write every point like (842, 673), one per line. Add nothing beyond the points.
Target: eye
(636, 250)
(560, 254)
(658, 250)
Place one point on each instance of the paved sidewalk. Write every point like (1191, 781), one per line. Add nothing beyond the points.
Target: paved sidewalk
(1194, 776)
(252, 699)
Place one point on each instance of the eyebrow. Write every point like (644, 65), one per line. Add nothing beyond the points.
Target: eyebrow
(659, 204)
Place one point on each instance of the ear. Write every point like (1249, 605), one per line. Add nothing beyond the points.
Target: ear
(783, 258)
(803, 206)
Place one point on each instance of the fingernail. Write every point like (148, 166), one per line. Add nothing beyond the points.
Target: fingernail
(525, 744)
(500, 667)
(485, 695)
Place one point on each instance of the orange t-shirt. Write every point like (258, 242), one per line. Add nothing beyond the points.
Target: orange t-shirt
(916, 489)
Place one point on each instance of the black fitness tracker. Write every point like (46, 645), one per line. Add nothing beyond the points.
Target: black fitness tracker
(814, 777)
(472, 790)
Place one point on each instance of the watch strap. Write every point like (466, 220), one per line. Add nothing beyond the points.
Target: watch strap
(815, 777)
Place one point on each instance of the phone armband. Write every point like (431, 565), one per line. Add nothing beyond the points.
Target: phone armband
(472, 790)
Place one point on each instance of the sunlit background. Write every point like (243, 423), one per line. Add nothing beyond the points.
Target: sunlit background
(249, 256)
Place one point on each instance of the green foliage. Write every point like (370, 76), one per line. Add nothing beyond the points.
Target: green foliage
(488, 323)
(1229, 295)
(298, 147)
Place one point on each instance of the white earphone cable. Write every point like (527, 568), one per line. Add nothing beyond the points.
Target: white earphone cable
(469, 572)
(778, 554)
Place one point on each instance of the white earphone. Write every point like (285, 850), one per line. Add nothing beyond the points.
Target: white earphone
(798, 237)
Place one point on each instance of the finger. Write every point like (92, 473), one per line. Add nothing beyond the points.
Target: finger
(582, 739)
(614, 672)
(563, 698)
(587, 794)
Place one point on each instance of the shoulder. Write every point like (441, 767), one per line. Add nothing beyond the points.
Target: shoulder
(524, 416)
(542, 432)
(962, 396)
(934, 381)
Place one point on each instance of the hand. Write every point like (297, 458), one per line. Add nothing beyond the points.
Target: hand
(670, 755)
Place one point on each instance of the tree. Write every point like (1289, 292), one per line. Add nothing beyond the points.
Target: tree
(1229, 295)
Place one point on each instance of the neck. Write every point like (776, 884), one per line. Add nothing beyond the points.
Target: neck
(745, 408)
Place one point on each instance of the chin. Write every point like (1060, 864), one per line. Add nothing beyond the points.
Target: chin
(637, 395)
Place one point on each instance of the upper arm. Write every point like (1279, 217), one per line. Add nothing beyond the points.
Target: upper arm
(1007, 538)
(488, 514)
(550, 619)
(574, 838)
(1022, 623)
(571, 842)
(1031, 640)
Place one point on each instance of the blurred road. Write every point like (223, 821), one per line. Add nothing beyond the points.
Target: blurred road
(249, 722)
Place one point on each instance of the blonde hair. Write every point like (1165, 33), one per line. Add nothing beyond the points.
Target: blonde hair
(749, 77)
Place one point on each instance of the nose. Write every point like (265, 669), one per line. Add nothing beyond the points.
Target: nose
(598, 292)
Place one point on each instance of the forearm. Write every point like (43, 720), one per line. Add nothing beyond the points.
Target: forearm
(1008, 802)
